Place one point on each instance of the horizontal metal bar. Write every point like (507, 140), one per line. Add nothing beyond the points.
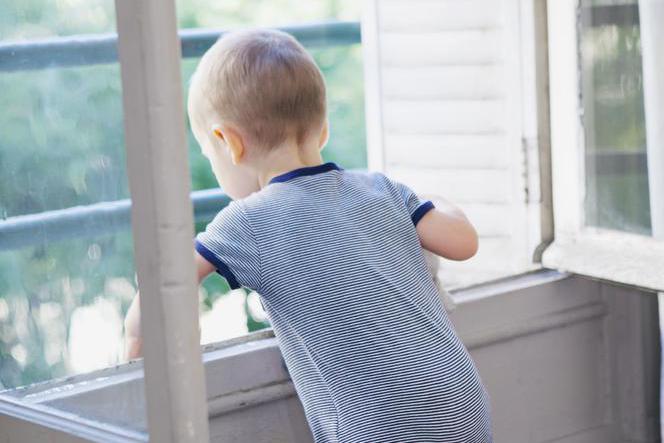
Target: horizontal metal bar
(90, 221)
(626, 14)
(618, 162)
(81, 50)
(93, 220)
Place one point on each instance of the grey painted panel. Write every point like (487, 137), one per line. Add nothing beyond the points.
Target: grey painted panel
(276, 422)
(632, 331)
(545, 385)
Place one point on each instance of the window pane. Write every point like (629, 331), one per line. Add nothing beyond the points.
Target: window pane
(67, 278)
(230, 313)
(613, 117)
(66, 271)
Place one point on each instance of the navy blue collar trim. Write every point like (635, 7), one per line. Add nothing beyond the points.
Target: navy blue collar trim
(307, 170)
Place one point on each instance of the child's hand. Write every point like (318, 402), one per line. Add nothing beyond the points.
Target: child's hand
(133, 348)
(133, 343)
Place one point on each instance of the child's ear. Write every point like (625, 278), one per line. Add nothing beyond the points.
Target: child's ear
(324, 135)
(234, 142)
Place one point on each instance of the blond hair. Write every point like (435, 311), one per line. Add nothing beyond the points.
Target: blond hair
(262, 81)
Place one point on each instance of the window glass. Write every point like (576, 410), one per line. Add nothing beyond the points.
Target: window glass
(66, 259)
(66, 275)
(613, 117)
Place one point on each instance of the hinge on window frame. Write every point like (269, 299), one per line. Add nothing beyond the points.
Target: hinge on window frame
(531, 185)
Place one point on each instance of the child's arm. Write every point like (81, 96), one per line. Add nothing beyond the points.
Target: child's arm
(132, 323)
(446, 232)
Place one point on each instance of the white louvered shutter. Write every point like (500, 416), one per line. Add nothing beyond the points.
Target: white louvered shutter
(451, 102)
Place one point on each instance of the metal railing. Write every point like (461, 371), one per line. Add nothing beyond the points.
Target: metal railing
(91, 220)
(619, 14)
(81, 50)
(109, 217)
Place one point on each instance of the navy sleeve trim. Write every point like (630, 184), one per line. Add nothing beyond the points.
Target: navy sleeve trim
(420, 211)
(222, 268)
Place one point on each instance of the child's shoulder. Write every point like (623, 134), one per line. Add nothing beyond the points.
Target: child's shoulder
(372, 180)
(273, 198)
(380, 182)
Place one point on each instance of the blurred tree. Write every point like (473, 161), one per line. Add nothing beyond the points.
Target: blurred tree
(62, 145)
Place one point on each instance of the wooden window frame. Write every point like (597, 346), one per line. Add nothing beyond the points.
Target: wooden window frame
(162, 220)
(611, 255)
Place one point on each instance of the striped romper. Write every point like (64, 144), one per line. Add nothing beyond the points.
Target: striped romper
(337, 262)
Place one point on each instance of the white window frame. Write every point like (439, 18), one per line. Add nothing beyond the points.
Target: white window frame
(162, 220)
(601, 253)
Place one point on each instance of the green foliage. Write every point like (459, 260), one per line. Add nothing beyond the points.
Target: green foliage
(62, 145)
(62, 139)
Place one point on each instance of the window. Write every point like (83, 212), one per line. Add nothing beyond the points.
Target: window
(64, 271)
(66, 259)
(606, 105)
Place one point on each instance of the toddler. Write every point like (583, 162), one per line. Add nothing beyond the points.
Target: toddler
(336, 255)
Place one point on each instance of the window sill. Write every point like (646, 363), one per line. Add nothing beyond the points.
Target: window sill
(613, 256)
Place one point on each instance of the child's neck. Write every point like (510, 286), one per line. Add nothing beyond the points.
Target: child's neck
(287, 158)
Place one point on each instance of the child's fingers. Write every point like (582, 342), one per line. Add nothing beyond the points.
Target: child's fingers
(133, 348)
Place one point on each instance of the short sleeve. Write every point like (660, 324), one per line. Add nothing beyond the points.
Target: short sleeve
(415, 206)
(228, 243)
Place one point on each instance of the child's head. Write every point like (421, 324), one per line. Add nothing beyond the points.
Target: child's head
(254, 94)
